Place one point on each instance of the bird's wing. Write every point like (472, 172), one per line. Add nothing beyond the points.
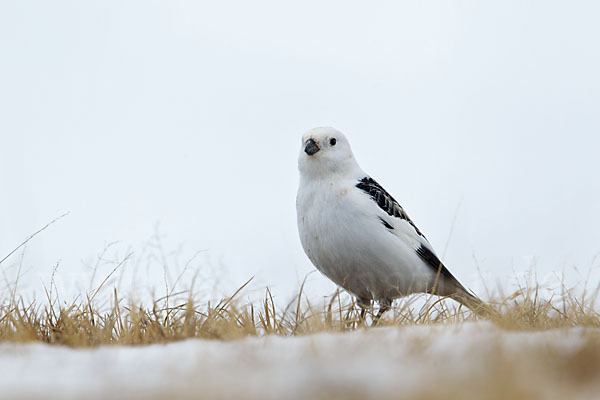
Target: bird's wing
(386, 202)
(401, 220)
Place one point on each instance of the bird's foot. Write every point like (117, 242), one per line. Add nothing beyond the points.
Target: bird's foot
(384, 305)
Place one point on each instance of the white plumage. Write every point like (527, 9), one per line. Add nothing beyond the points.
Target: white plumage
(357, 235)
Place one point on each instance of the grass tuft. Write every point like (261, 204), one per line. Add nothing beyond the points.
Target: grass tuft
(172, 318)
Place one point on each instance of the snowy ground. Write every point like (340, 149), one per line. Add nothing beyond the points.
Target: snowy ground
(460, 361)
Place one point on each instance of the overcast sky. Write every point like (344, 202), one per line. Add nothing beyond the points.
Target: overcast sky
(189, 115)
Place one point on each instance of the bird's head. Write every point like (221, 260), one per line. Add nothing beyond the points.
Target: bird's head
(325, 151)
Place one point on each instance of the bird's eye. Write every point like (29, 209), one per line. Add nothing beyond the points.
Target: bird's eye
(332, 141)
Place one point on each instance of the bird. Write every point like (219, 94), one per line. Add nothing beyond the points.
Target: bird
(357, 235)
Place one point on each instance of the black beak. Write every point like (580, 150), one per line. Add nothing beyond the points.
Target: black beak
(311, 147)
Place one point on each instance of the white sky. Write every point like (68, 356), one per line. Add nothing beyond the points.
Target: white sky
(189, 114)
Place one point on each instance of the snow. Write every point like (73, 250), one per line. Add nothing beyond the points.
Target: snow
(376, 363)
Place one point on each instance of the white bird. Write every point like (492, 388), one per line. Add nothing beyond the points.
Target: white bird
(357, 235)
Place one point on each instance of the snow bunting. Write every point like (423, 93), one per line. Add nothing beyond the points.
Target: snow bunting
(358, 235)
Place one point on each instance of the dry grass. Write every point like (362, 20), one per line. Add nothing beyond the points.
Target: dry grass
(89, 323)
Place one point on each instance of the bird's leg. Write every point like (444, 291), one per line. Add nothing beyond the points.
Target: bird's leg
(363, 304)
(384, 305)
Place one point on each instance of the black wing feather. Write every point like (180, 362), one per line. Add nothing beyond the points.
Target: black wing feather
(433, 261)
(385, 201)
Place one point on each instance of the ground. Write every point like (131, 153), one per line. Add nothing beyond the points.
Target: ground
(468, 360)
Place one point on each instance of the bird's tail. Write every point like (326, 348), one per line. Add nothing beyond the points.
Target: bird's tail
(475, 304)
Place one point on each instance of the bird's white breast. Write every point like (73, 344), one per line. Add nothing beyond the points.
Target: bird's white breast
(343, 237)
